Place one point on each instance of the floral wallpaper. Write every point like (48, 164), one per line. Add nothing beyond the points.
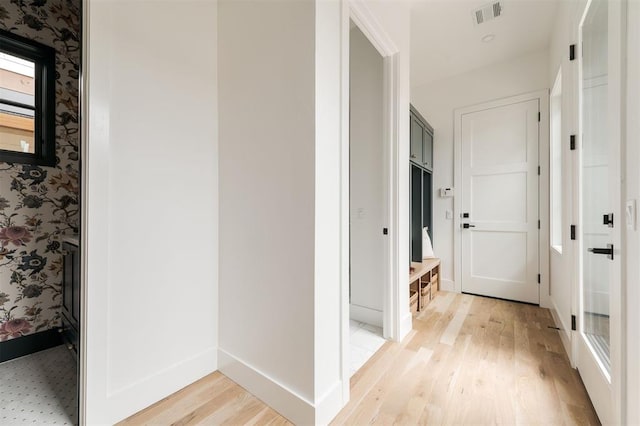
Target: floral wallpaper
(40, 204)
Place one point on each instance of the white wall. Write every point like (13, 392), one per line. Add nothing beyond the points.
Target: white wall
(367, 200)
(631, 272)
(267, 198)
(563, 279)
(150, 202)
(436, 101)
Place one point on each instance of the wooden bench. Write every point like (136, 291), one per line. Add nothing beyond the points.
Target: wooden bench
(424, 282)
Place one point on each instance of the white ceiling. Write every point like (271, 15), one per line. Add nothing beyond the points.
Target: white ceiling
(445, 41)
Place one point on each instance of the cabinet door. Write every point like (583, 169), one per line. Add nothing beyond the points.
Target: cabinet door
(417, 134)
(416, 214)
(427, 150)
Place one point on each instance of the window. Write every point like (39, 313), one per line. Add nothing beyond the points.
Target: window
(27, 101)
(556, 163)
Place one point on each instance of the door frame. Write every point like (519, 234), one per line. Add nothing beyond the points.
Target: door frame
(543, 185)
(394, 321)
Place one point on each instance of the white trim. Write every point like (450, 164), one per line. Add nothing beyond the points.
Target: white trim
(84, 132)
(564, 330)
(543, 192)
(299, 410)
(371, 28)
(345, 365)
(592, 374)
(366, 315)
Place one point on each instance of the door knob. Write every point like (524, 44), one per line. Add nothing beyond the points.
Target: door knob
(606, 251)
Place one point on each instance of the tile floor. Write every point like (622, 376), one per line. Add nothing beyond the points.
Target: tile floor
(365, 340)
(39, 389)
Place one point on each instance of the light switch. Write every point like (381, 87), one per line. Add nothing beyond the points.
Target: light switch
(448, 214)
(446, 192)
(361, 213)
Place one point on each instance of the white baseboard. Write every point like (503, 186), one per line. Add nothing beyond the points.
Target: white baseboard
(447, 285)
(294, 407)
(330, 404)
(406, 325)
(366, 315)
(565, 331)
(131, 399)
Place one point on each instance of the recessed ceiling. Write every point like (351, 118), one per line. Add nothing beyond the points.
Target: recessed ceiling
(445, 40)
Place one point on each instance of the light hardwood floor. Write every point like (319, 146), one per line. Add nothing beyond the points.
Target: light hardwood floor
(469, 360)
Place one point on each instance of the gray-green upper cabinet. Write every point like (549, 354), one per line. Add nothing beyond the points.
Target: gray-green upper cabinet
(427, 149)
(421, 141)
(417, 140)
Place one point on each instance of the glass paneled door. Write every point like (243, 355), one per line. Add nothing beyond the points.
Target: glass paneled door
(597, 222)
(599, 212)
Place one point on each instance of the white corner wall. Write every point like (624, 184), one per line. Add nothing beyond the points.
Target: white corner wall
(437, 101)
(280, 130)
(150, 200)
(367, 181)
(282, 305)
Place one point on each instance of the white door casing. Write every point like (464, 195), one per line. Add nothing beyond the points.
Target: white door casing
(499, 191)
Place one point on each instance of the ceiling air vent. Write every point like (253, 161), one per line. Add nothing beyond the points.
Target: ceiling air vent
(487, 13)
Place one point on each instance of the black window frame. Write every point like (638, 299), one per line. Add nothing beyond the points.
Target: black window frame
(44, 58)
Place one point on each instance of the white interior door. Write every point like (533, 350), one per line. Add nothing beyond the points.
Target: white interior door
(600, 283)
(500, 197)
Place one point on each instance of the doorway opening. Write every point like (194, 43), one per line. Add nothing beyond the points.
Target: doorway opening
(367, 199)
(39, 211)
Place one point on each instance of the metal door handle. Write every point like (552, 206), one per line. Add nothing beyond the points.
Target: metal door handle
(413, 156)
(606, 251)
(467, 225)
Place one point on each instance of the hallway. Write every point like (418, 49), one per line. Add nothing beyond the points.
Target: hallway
(469, 360)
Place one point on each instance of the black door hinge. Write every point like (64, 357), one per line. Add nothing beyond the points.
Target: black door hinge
(538, 116)
(538, 278)
(572, 142)
(573, 322)
(538, 170)
(573, 232)
(572, 52)
(538, 223)
(385, 231)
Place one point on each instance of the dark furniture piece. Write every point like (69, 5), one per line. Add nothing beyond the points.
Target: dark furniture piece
(421, 186)
(71, 296)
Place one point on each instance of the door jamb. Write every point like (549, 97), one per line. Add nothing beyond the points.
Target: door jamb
(543, 185)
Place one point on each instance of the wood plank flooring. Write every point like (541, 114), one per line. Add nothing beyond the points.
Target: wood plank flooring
(469, 360)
